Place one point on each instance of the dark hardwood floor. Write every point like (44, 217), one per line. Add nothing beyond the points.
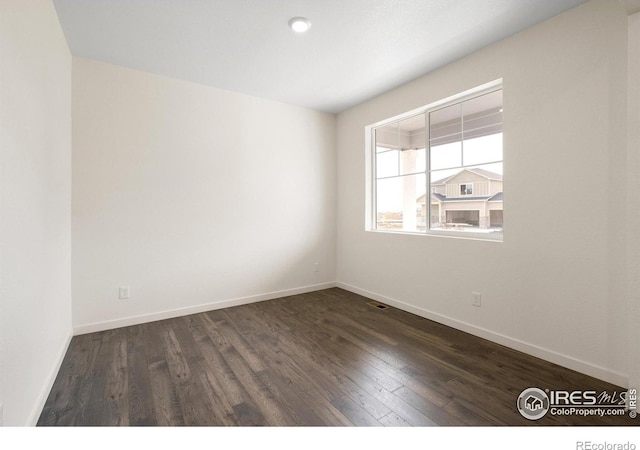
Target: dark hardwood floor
(324, 358)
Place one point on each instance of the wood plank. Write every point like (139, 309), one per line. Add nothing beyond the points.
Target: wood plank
(324, 409)
(116, 389)
(393, 420)
(237, 404)
(96, 413)
(141, 409)
(189, 388)
(248, 387)
(356, 414)
(435, 413)
(306, 350)
(166, 403)
(70, 392)
(321, 358)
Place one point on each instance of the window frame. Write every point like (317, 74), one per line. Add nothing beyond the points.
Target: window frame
(371, 169)
(467, 187)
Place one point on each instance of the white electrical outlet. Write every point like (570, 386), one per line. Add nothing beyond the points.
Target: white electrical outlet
(124, 292)
(477, 299)
(316, 267)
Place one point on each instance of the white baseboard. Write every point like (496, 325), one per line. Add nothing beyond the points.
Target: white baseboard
(169, 314)
(569, 362)
(46, 389)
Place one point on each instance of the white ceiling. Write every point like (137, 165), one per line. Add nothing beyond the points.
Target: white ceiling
(355, 49)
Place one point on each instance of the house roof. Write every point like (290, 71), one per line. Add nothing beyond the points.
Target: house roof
(442, 198)
(482, 172)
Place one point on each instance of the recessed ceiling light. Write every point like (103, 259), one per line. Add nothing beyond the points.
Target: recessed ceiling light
(299, 24)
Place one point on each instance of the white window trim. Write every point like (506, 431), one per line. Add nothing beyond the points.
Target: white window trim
(370, 167)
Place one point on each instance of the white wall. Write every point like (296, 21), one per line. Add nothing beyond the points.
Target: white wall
(195, 197)
(556, 290)
(633, 205)
(35, 200)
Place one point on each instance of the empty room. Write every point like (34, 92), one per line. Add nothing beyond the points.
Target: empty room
(215, 213)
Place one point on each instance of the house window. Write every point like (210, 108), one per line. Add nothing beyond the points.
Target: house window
(439, 169)
(466, 189)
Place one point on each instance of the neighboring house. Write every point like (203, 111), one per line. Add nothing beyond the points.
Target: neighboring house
(390, 220)
(471, 198)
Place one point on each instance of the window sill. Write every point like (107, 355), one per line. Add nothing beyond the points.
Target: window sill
(466, 235)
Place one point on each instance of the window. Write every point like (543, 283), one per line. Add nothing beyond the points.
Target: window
(451, 150)
(466, 189)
